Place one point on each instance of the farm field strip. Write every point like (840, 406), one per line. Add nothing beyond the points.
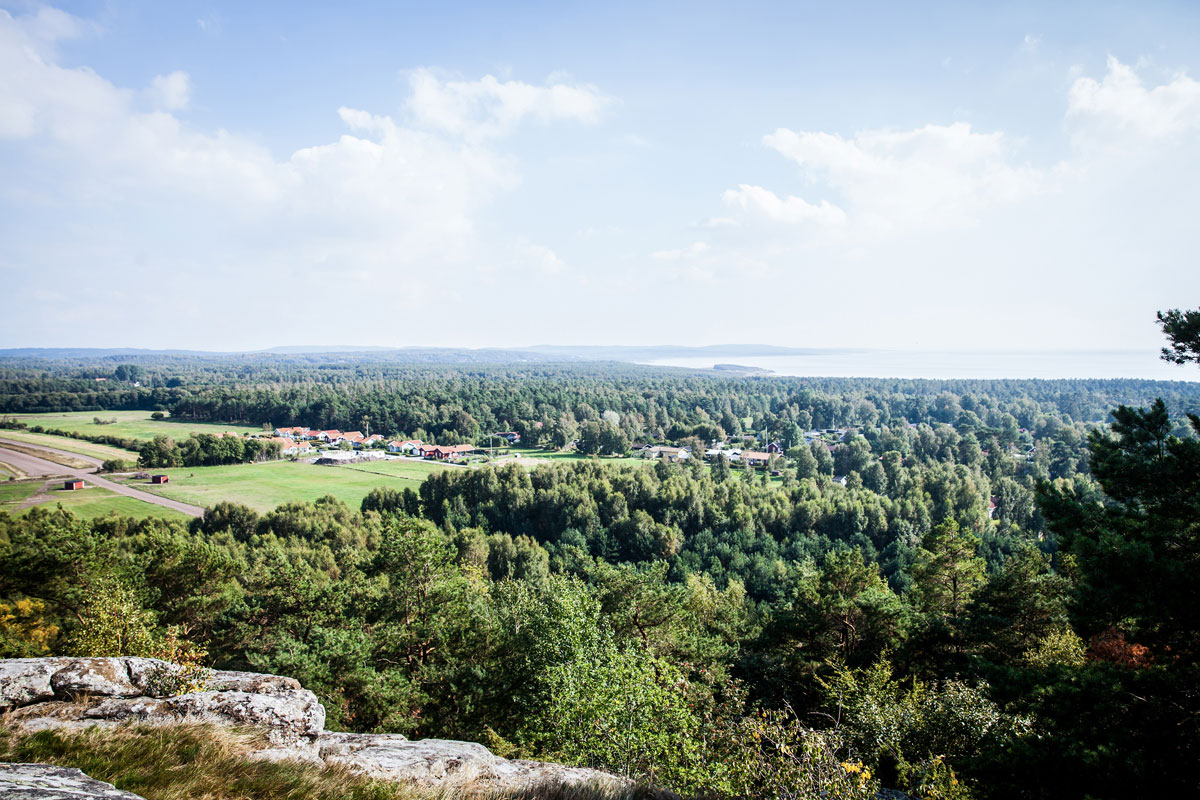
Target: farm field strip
(101, 451)
(9, 471)
(47, 455)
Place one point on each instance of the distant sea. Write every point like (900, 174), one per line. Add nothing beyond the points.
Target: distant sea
(958, 364)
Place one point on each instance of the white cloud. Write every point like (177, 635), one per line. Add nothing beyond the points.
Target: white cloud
(789, 210)
(488, 108)
(49, 24)
(172, 91)
(936, 176)
(691, 251)
(1121, 104)
(716, 223)
(543, 258)
(880, 183)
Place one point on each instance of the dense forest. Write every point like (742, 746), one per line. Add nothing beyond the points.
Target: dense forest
(972, 589)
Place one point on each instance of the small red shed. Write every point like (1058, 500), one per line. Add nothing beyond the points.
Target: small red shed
(159, 478)
(75, 484)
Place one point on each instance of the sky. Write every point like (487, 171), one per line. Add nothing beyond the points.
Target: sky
(234, 176)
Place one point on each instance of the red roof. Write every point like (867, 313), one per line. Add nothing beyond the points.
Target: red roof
(451, 448)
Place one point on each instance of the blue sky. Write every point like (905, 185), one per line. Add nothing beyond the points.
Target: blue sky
(212, 176)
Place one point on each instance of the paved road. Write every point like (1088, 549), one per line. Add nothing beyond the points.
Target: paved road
(37, 466)
(89, 459)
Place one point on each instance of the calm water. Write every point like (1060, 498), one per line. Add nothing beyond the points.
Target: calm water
(951, 364)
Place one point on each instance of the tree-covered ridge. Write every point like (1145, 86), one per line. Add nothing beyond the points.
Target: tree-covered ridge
(541, 400)
(660, 619)
(968, 590)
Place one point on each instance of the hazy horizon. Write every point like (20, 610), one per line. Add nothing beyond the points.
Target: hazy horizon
(943, 363)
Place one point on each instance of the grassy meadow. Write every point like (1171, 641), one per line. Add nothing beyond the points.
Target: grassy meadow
(13, 493)
(131, 424)
(269, 484)
(95, 502)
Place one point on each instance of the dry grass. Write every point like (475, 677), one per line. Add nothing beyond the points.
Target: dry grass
(207, 762)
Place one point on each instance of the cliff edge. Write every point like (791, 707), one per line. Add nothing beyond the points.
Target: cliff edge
(75, 693)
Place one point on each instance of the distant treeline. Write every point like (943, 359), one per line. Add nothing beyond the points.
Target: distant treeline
(449, 404)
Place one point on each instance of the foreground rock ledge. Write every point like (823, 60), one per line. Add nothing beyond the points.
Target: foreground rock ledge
(47, 782)
(76, 693)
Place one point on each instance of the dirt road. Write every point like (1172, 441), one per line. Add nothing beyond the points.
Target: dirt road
(37, 466)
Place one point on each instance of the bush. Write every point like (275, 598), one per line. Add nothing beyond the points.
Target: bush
(117, 465)
(770, 754)
(914, 732)
(112, 622)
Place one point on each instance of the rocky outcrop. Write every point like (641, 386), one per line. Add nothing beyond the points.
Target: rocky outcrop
(439, 762)
(78, 692)
(47, 782)
(40, 693)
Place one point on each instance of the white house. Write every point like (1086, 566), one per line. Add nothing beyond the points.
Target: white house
(669, 453)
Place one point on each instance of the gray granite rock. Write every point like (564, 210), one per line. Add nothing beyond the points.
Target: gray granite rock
(27, 680)
(287, 715)
(253, 682)
(428, 762)
(47, 782)
(104, 677)
(442, 763)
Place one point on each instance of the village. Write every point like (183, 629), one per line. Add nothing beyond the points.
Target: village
(298, 441)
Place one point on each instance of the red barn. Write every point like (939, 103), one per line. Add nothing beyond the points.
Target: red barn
(71, 485)
(159, 479)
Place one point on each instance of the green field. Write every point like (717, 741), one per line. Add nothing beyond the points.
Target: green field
(267, 485)
(95, 502)
(12, 493)
(100, 451)
(130, 424)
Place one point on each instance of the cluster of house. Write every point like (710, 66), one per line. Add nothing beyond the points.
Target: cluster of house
(335, 438)
(433, 452)
(753, 458)
(298, 439)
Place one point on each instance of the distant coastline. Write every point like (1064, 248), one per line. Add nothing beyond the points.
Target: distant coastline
(742, 369)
